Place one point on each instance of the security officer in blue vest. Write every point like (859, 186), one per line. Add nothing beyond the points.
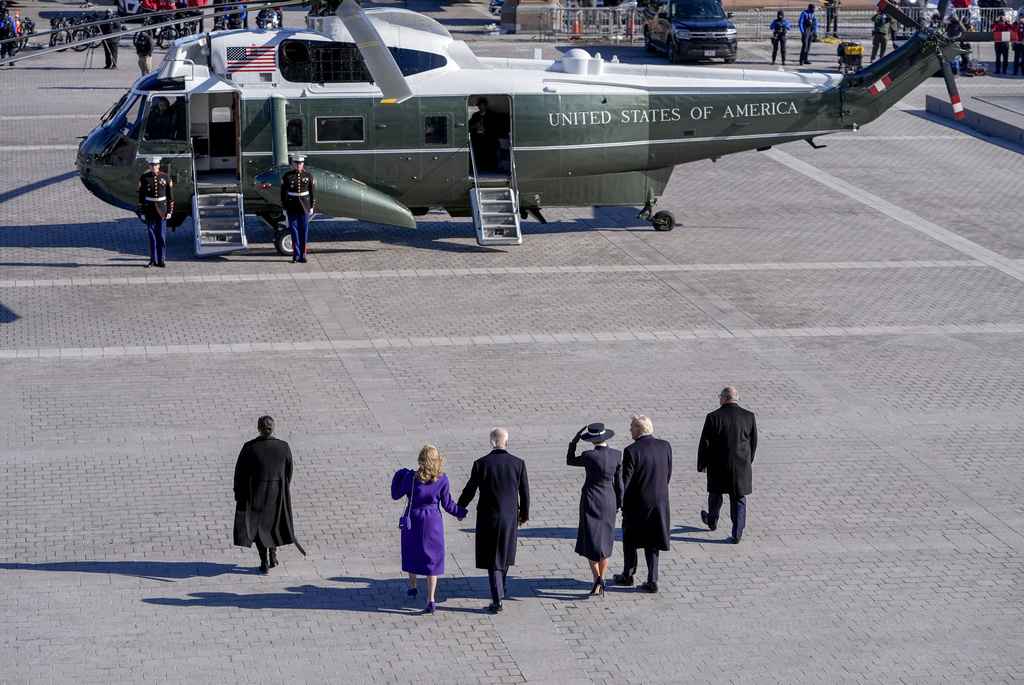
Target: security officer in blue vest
(298, 198)
(156, 204)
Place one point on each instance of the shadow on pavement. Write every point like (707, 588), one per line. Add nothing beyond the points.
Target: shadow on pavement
(152, 570)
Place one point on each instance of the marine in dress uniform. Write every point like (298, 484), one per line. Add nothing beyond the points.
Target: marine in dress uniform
(298, 198)
(156, 205)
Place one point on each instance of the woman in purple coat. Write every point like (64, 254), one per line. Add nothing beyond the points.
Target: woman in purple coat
(423, 544)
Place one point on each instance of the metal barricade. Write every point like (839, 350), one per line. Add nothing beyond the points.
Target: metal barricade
(592, 23)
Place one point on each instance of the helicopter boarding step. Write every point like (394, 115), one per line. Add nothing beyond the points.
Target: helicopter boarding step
(219, 223)
(496, 216)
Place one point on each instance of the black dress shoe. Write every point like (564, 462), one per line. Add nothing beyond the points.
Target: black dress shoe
(264, 570)
(151, 263)
(302, 260)
(273, 558)
(294, 259)
(495, 606)
(650, 586)
(704, 518)
(734, 541)
(161, 264)
(623, 579)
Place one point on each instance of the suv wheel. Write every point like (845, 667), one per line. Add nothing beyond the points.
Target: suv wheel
(647, 41)
(673, 51)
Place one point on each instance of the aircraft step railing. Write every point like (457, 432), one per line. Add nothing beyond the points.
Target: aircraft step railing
(496, 216)
(219, 223)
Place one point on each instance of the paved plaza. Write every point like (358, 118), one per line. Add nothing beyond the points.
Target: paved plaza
(867, 299)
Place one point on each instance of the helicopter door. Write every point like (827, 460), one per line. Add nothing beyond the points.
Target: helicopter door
(490, 134)
(214, 131)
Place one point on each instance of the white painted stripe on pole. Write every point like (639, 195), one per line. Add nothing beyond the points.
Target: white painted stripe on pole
(993, 259)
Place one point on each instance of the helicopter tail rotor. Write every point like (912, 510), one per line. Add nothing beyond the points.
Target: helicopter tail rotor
(947, 71)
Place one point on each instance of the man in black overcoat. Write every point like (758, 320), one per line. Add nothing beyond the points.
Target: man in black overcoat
(263, 505)
(646, 471)
(726, 453)
(504, 506)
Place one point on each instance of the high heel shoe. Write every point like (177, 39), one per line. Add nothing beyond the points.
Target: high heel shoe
(412, 592)
(431, 607)
(600, 592)
(597, 585)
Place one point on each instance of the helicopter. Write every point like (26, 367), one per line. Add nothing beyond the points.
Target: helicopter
(387, 107)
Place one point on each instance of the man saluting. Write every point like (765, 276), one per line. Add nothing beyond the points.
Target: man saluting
(156, 204)
(298, 197)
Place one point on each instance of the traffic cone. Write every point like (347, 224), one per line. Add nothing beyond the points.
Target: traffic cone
(575, 26)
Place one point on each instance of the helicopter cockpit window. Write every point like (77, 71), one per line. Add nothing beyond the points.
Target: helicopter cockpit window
(435, 130)
(126, 119)
(339, 129)
(116, 108)
(166, 118)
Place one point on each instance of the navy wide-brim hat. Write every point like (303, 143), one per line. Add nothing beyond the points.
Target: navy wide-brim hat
(596, 432)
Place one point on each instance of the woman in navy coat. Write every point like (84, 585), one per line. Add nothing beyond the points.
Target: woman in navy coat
(423, 544)
(600, 498)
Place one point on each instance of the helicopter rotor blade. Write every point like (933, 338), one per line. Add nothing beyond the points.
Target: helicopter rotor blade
(941, 10)
(378, 57)
(898, 14)
(954, 94)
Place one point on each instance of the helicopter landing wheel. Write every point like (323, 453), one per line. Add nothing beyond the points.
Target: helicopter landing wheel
(283, 242)
(663, 221)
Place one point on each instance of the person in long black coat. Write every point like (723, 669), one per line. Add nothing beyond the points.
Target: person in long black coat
(263, 504)
(726, 452)
(646, 471)
(600, 498)
(504, 506)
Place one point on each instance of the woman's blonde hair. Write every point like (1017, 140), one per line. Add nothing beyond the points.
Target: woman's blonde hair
(431, 464)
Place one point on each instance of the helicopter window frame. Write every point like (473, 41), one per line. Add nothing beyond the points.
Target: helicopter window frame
(342, 134)
(433, 134)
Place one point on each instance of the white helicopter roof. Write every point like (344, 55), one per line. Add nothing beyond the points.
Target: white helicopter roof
(244, 59)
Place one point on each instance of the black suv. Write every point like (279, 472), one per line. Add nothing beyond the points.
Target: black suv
(689, 30)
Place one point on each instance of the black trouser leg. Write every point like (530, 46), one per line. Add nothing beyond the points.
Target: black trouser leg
(263, 552)
(629, 558)
(652, 555)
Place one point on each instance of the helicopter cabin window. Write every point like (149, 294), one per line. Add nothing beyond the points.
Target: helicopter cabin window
(166, 118)
(435, 130)
(416, 61)
(294, 131)
(339, 129)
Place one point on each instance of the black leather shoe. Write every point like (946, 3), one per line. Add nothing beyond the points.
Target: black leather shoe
(273, 558)
(595, 590)
(650, 586)
(704, 518)
(151, 264)
(734, 541)
(264, 570)
(294, 259)
(495, 606)
(623, 579)
(302, 260)
(161, 264)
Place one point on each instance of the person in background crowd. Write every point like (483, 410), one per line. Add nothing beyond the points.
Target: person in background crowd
(144, 49)
(1003, 30)
(808, 28)
(780, 27)
(1018, 45)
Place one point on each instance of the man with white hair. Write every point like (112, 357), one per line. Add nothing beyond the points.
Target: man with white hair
(504, 506)
(646, 471)
(726, 454)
